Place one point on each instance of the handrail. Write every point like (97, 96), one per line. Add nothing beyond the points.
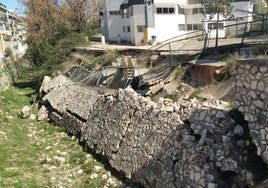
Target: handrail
(169, 41)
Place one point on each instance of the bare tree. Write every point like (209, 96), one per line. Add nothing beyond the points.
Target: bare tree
(42, 18)
(83, 11)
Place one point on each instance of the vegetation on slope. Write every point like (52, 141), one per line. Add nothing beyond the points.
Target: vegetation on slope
(39, 154)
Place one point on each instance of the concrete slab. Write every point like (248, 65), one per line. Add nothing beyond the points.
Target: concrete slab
(210, 62)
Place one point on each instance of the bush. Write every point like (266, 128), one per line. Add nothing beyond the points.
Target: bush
(71, 40)
(41, 53)
(8, 52)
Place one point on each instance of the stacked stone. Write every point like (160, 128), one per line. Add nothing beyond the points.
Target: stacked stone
(68, 103)
(147, 141)
(252, 100)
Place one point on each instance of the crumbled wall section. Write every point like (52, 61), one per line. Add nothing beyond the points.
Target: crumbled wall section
(148, 141)
(252, 100)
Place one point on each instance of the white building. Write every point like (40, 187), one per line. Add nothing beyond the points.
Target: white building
(139, 21)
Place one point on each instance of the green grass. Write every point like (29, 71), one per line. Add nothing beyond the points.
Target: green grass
(26, 146)
(174, 97)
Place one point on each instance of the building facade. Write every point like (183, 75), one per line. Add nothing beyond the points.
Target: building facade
(141, 21)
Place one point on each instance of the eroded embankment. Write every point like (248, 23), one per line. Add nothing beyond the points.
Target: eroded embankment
(158, 144)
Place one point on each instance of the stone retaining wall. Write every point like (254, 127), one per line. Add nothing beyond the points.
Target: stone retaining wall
(158, 144)
(252, 100)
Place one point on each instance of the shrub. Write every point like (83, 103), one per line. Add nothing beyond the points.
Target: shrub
(71, 40)
(9, 52)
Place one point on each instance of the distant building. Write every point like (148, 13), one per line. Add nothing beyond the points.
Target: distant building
(139, 21)
(9, 20)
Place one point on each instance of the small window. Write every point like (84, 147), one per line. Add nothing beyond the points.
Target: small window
(181, 10)
(198, 11)
(165, 10)
(181, 27)
(195, 26)
(124, 29)
(128, 29)
(130, 10)
(195, 11)
(159, 10)
(214, 25)
(139, 28)
(171, 10)
(116, 13)
(189, 27)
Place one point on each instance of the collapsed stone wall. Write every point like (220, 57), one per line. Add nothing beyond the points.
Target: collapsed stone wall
(158, 144)
(252, 100)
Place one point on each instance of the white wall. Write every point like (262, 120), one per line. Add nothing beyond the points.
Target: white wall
(115, 25)
(114, 22)
(166, 25)
(138, 19)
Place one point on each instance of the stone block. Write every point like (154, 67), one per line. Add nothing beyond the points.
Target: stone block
(253, 84)
(263, 69)
(258, 103)
(260, 86)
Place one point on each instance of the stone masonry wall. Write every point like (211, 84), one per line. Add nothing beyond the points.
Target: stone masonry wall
(158, 144)
(252, 100)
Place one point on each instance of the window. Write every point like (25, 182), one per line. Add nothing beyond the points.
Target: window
(197, 26)
(181, 10)
(128, 29)
(124, 29)
(165, 10)
(159, 10)
(171, 10)
(198, 11)
(115, 13)
(181, 27)
(129, 12)
(140, 28)
(214, 25)
(195, 11)
(189, 27)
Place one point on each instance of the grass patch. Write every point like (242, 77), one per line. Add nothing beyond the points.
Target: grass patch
(29, 150)
(195, 94)
(174, 97)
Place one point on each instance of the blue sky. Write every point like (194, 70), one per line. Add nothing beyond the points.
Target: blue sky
(11, 4)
